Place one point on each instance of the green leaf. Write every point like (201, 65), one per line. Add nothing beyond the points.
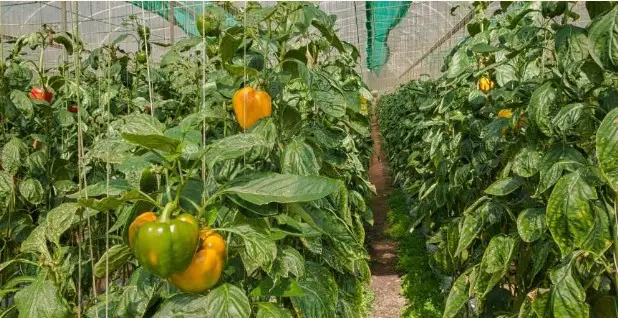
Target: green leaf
(571, 45)
(541, 103)
(22, 102)
(457, 296)
(246, 146)
(605, 306)
(568, 117)
(112, 259)
(183, 306)
(270, 310)
(31, 190)
(607, 148)
(331, 102)
(156, 142)
(470, 227)
(603, 40)
(110, 150)
(230, 42)
(138, 294)
(460, 63)
(531, 224)
(498, 254)
(559, 157)
(484, 48)
(6, 184)
(567, 295)
(116, 188)
(41, 299)
(596, 8)
(289, 261)
(59, 220)
(526, 162)
(505, 186)
(600, 238)
(13, 154)
(227, 301)
(320, 293)
(569, 212)
(267, 187)
(298, 158)
(259, 249)
(282, 288)
(142, 124)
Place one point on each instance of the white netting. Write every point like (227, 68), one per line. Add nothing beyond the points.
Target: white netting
(417, 44)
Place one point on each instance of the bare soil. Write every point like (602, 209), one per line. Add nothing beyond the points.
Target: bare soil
(385, 281)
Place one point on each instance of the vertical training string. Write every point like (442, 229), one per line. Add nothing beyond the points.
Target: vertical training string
(143, 24)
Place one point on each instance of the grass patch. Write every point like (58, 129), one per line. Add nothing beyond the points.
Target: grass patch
(421, 287)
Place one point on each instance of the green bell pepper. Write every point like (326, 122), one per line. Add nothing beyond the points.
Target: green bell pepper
(164, 245)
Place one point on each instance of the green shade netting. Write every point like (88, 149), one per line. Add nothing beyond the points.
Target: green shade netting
(184, 12)
(382, 17)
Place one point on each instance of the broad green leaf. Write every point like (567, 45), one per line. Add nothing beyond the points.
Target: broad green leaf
(504, 186)
(270, 310)
(183, 305)
(331, 102)
(138, 294)
(600, 238)
(526, 162)
(142, 124)
(542, 102)
(607, 148)
(460, 63)
(470, 227)
(31, 190)
(116, 187)
(249, 147)
(298, 158)
(227, 301)
(498, 254)
(156, 142)
(13, 155)
(320, 293)
(22, 102)
(289, 261)
(112, 259)
(568, 117)
(571, 44)
(603, 40)
(110, 150)
(568, 298)
(569, 211)
(267, 187)
(59, 220)
(531, 224)
(36, 242)
(596, 8)
(6, 184)
(232, 39)
(457, 296)
(558, 158)
(41, 299)
(285, 287)
(259, 249)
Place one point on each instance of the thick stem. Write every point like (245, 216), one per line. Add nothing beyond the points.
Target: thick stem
(167, 212)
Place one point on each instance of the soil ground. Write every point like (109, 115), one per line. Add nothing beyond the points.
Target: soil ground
(385, 281)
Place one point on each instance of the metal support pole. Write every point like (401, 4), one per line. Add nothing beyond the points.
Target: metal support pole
(171, 20)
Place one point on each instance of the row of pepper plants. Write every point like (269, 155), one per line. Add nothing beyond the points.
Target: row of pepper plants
(509, 159)
(228, 179)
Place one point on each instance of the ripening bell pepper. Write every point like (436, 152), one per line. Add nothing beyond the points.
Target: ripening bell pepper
(505, 113)
(164, 245)
(251, 105)
(206, 266)
(485, 84)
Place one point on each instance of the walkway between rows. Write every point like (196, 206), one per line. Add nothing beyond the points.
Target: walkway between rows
(385, 281)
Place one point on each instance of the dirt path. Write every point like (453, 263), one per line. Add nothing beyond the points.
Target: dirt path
(384, 280)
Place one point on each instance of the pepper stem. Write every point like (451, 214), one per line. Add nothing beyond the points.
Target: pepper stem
(167, 212)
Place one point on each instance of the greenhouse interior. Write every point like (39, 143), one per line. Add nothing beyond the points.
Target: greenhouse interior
(310, 159)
